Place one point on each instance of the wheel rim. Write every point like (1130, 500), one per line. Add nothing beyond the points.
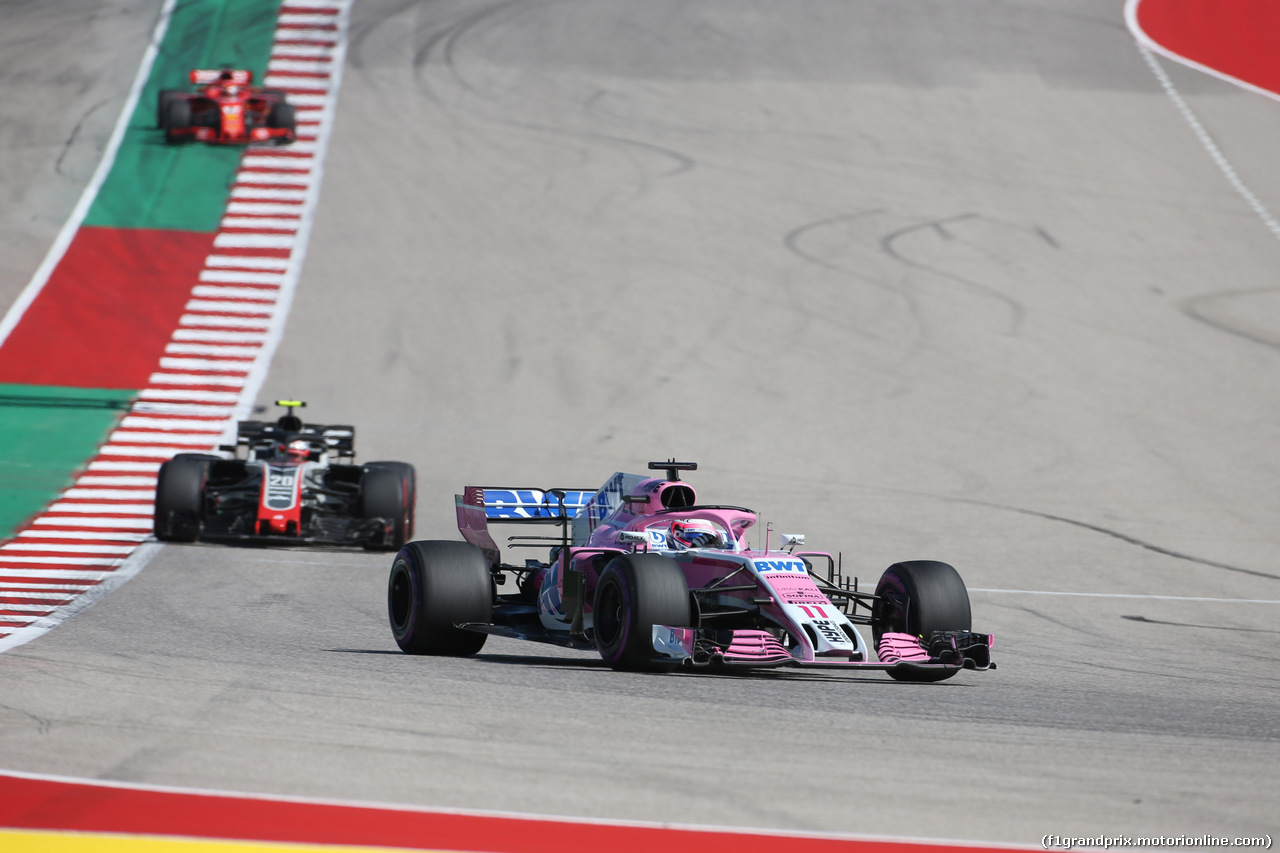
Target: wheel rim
(890, 612)
(400, 598)
(608, 616)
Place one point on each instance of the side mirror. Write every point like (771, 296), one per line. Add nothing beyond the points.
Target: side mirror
(791, 540)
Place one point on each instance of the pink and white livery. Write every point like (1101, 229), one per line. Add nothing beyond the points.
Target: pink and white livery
(654, 580)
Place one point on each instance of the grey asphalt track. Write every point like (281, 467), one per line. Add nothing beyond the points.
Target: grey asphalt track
(948, 280)
(67, 68)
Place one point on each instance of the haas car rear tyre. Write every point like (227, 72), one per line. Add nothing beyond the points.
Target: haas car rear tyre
(636, 592)
(435, 586)
(918, 598)
(388, 490)
(180, 498)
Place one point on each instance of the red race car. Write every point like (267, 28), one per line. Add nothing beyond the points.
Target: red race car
(226, 109)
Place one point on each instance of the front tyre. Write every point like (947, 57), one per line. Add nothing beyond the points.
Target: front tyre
(283, 115)
(434, 586)
(917, 598)
(166, 97)
(177, 119)
(179, 508)
(636, 592)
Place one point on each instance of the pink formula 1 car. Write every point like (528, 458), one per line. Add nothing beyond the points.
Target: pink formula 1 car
(653, 580)
(225, 109)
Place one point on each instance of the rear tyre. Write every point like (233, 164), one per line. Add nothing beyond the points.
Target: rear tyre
(179, 510)
(433, 587)
(177, 118)
(166, 97)
(636, 592)
(389, 490)
(918, 598)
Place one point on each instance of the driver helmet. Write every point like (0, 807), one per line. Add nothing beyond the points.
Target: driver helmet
(693, 533)
(298, 450)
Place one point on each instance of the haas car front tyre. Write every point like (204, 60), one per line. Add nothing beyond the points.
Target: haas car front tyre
(636, 592)
(180, 498)
(918, 598)
(435, 586)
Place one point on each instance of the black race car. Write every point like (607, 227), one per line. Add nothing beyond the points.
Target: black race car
(286, 482)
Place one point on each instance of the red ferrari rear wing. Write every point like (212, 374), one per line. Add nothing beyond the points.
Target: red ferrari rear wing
(209, 76)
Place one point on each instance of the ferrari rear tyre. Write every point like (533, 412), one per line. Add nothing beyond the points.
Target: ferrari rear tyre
(918, 598)
(177, 117)
(389, 490)
(435, 586)
(636, 592)
(179, 509)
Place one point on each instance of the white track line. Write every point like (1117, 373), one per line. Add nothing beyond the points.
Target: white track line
(1148, 47)
(257, 376)
(107, 581)
(1131, 18)
(787, 839)
(92, 516)
(68, 232)
(1127, 595)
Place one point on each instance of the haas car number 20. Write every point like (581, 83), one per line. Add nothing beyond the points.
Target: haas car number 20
(281, 486)
(653, 580)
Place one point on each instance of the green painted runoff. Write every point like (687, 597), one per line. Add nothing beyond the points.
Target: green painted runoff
(184, 187)
(49, 435)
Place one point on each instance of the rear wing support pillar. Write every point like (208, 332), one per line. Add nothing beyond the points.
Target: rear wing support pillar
(473, 524)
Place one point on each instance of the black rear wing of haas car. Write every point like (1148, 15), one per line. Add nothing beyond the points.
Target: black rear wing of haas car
(337, 439)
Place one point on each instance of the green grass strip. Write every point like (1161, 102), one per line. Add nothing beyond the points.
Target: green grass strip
(184, 187)
(49, 434)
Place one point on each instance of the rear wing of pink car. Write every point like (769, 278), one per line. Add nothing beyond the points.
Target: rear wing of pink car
(479, 505)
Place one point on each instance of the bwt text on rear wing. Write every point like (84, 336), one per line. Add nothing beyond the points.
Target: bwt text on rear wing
(479, 505)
